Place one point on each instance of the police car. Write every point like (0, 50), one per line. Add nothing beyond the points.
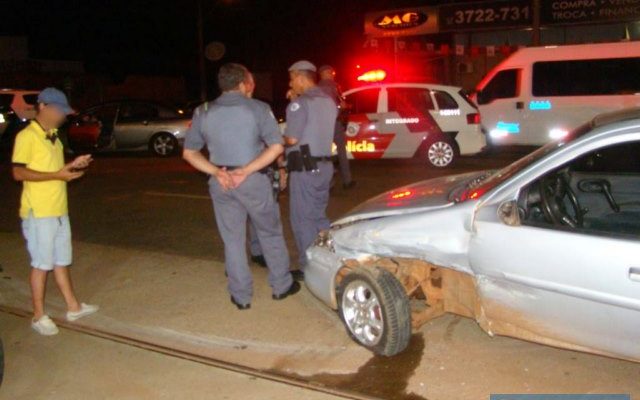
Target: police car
(403, 120)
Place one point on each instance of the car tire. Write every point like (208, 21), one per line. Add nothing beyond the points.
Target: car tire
(375, 310)
(440, 152)
(163, 144)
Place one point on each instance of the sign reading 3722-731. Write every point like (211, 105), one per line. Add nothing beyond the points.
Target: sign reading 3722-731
(485, 15)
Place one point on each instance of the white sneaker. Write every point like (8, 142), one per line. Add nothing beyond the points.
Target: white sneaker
(85, 309)
(45, 326)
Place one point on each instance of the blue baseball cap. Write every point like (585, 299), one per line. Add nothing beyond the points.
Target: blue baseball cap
(54, 97)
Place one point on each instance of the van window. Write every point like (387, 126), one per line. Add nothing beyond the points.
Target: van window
(363, 101)
(445, 101)
(409, 101)
(613, 76)
(504, 85)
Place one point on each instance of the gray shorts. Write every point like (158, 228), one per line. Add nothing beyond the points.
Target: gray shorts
(48, 241)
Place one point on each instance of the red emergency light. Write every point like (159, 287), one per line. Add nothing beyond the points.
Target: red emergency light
(377, 75)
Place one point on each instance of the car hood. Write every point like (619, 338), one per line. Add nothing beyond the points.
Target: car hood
(421, 196)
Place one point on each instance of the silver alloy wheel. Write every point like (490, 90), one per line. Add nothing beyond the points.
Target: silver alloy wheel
(440, 153)
(164, 144)
(362, 313)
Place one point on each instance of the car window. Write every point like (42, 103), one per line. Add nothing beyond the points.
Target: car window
(603, 184)
(363, 101)
(618, 159)
(6, 99)
(167, 113)
(138, 112)
(31, 99)
(445, 100)
(410, 101)
(550, 77)
(104, 114)
(504, 85)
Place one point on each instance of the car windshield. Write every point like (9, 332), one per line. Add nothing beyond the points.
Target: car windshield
(480, 185)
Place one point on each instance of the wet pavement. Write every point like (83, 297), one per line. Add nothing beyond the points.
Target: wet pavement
(147, 251)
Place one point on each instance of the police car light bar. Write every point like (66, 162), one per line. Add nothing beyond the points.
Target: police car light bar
(376, 75)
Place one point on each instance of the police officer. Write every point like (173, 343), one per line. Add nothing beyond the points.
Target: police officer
(330, 86)
(311, 118)
(235, 129)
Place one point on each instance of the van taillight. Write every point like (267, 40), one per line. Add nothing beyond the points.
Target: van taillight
(473, 119)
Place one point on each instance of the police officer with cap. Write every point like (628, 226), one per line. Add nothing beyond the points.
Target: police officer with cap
(330, 86)
(311, 117)
(235, 129)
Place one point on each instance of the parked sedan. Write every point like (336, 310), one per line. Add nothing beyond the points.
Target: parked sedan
(544, 250)
(129, 125)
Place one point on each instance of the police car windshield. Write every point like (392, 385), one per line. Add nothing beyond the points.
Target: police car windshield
(478, 186)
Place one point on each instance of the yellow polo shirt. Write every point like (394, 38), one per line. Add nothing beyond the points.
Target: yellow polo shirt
(36, 152)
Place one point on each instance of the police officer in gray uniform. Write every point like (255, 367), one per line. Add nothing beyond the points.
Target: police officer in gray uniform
(311, 117)
(330, 86)
(235, 129)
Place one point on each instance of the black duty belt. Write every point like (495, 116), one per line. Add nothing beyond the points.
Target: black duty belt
(264, 170)
(323, 158)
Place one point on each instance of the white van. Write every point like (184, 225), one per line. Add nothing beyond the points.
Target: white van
(540, 93)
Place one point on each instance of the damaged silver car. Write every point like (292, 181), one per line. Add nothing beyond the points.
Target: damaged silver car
(546, 249)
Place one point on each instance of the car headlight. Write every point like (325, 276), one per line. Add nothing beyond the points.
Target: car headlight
(2, 120)
(325, 240)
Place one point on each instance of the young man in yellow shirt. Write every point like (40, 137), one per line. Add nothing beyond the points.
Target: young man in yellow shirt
(38, 162)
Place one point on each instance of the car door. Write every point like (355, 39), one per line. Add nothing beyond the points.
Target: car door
(94, 127)
(133, 125)
(571, 287)
(502, 107)
(408, 116)
(364, 140)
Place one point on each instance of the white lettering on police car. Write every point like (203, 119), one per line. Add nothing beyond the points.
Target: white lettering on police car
(448, 113)
(396, 121)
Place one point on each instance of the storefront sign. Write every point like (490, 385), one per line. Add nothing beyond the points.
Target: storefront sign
(411, 21)
(486, 15)
(567, 12)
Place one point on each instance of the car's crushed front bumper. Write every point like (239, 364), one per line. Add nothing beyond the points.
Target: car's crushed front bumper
(320, 274)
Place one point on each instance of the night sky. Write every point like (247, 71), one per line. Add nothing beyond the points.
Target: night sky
(153, 37)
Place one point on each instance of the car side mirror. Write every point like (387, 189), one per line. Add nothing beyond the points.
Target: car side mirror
(509, 213)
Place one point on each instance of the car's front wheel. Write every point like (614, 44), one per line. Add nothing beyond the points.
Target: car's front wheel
(440, 152)
(375, 310)
(163, 144)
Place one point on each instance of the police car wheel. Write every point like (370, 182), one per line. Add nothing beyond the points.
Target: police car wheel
(440, 153)
(375, 310)
(163, 144)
